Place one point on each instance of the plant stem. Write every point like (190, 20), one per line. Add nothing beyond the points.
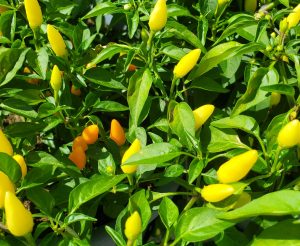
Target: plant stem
(263, 148)
(166, 238)
(36, 38)
(162, 195)
(190, 203)
(174, 80)
(274, 166)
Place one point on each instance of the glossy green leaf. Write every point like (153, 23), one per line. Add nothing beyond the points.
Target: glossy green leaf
(251, 92)
(104, 78)
(284, 232)
(242, 122)
(278, 203)
(138, 92)
(11, 61)
(92, 188)
(182, 122)
(182, 32)
(199, 224)
(119, 241)
(235, 25)
(280, 88)
(42, 199)
(154, 153)
(75, 217)
(103, 9)
(195, 169)
(225, 139)
(19, 107)
(24, 129)
(168, 212)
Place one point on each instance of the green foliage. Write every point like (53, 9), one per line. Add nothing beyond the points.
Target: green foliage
(116, 68)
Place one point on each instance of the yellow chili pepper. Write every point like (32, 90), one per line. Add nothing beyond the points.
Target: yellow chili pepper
(19, 220)
(186, 63)
(56, 41)
(133, 227)
(294, 17)
(117, 133)
(288, 136)
(237, 167)
(275, 98)
(158, 16)
(22, 163)
(5, 185)
(5, 145)
(133, 149)
(55, 80)
(201, 114)
(250, 5)
(216, 192)
(33, 13)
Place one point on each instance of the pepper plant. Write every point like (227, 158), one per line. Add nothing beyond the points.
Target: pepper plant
(149, 122)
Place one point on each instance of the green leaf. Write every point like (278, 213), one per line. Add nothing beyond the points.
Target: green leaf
(182, 122)
(104, 78)
(225, 139)
(195, 170)
(221, 53)
(154, 154)
(207, 84)
(251, 92)
(92, 188)
(199, 224)
(132, 19)
(18, 107)
(72, 218)
(109, 106)
(137, 94)
(286, 3)
(38, 176)
(24, 129)
(108, 52)
(278, 203)
(30, 96)
(39, 61)
(10, 167)
(280, 88)
(182, 32)
(173, 51)
(168, 212)
(236, 24)
(242, 122)
(103, 9)
(177, 10)
(138, 202)
(119, 241)
(11, 61)
(282, 233)
(174, 171)
(42, 199)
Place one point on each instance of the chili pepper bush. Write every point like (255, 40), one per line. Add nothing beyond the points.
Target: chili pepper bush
(149, 122)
